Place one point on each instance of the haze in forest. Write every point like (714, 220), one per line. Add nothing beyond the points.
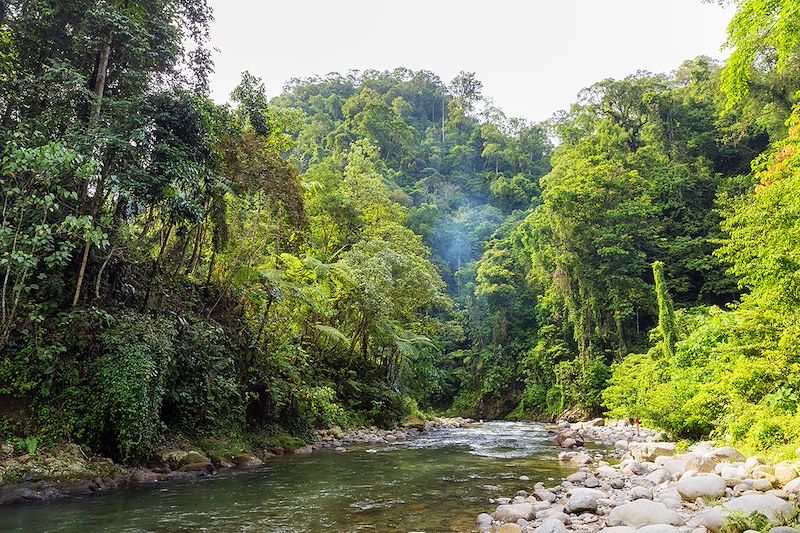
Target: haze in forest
(530, 65)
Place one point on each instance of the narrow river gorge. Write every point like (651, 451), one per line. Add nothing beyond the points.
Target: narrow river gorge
(438, 482)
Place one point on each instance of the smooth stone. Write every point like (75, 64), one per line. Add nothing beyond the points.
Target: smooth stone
(545, 495)
(552, 525)
(584, 500)
(774, 508)
(484, 520)
(509, 528)
(784, 473)
(709, 486)
(762, 485)
(726, 453)
(515, 511)
(643, 513)
(658, 528)
(648, 451)
(658, 476)
(712, 519)
(591, 482)
(618, 529)
(640, 493)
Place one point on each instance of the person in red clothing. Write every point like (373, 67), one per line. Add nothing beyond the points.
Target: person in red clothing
(636, 423)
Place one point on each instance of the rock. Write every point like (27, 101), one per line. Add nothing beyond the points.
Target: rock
(674, 466)
(576, 458)
(336, 432)
(658, 528)
(142, 476)
(712, 519)
(569, 434)
(173, 458)
(793, 486)
(544, 495)
(702, 464)
(561, 517)
(635, 467)
(591, 482)
(568, 443)
(305, 450)
(509, 528)
(413, 422)
(784, 473)
(726, 453)
(193, 457)
(640, 493)
(484, 521)
(762, 485)
(784, 530)
(552, 525)
(515, 511)
(709, 486)
(648, 451)
(206, 468)
(584, 500)
(618, 529)
(774, 508)
(577, 477)
(621, 445)
(245, 460)
(617, 483)
(658, 476)
(670, 498)
(643, 513)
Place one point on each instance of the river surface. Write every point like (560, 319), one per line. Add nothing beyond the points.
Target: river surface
(437, 483)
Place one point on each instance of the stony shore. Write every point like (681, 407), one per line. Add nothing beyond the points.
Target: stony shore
(67, 471)
(652, 489)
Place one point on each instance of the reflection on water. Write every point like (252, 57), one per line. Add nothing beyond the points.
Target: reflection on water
(437, 483)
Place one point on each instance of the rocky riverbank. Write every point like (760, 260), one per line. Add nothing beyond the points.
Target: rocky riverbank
(653, 489)
(67, 471)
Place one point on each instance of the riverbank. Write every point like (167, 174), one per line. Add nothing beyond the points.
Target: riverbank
(66, 471)
(653, 489)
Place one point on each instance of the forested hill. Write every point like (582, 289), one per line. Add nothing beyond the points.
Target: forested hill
(365, 245)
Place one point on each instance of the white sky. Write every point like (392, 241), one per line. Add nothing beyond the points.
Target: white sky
(533, 56)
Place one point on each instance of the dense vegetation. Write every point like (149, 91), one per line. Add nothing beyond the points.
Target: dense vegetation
(367, 244)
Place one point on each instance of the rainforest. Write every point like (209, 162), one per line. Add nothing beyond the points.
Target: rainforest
(377, 247)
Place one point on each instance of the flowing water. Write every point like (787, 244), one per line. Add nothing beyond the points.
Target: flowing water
(434, 484)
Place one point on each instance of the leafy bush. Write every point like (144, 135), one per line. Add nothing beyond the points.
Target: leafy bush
(203, 393)
(127, 386)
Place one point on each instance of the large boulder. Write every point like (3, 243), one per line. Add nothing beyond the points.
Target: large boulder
(643, 513)
(514, 511)
(774, 508)
(709, 486)
(581, 500)
(510, 528)
(648, 451)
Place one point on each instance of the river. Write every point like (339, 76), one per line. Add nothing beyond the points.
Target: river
(437, 483)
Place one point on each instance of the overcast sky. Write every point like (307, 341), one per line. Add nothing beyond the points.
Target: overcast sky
(533, 56)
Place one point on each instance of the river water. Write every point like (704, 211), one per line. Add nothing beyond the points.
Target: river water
(437, 483)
